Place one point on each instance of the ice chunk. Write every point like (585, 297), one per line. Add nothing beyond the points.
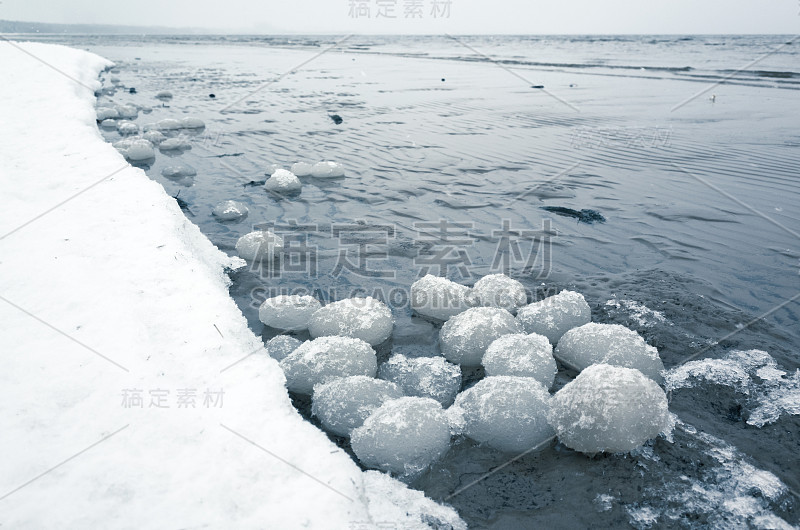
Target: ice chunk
(403, 436)
(164, 94)
(167, 124)
(498, 290)
(608, 344)
(179, 171)
(283, 181)
(230, 211)
(108, 124)
(364, 318)
(344, 403)
(327, 170)
(431, 377)
(609, 409)
(326, 358)
(465, 337)
(290, 312)
(271, 168)
(439, 298)
(301, 169)
(154, 137)
(174, 144)
(104, 113)
(507, 413)
(129, 112)
(139, 150)
(192, 123)
(281, 346)
(555, 315)
(259, 245)
(521, 355)
(127, 128)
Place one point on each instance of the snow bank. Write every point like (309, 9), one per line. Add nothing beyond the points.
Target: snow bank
(113, 294)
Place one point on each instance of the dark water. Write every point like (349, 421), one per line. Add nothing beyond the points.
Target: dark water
(448, 152)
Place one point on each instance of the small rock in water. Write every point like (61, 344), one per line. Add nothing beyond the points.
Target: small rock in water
(301, 169)
(439, 298)
(174, 172)
(192, 123)
(154, 137)
(555, 315)
(164, 95)
(212, 96)
(230, 210)
(506, 413)
(404, 436)
(127, 128)
(259, 245)
(431, 377)
(344, 403)
(283, 181)
(281, 346)
(612, 344)
(336, 119)
(327, 358)
(363, 318)
(104, 113)
(523, 356)
(140, 150)
(465, 337)
(498, 290)
(327, 170)
(289, 312)
(132, 90)
(609, 409)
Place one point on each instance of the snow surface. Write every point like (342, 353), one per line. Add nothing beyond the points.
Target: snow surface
(106, 286)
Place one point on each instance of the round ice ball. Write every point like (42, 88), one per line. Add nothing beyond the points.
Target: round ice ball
(283, 181)
(140, 150)
(498, 290)
(431, 377)
(155, 137)
(168, 124)
(301, 169)
(259, 245)
(192, 123)
(164, 94)
(281, 346)
(179, 171)
(174, 144)
(127, 128)
(403, 436)
(609, 409)
(290, 312)
(521, 355)
(327, 169)
(127, 111)
(108, 124)
(363, 318)
(555, 315)
(608, 344)
(344, 403)
(104, 113)
(465, 337)
(439, 298)
(506, 413)
(326, 358)
(230, 211)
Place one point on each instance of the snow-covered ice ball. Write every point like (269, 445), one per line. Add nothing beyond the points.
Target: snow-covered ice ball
(439, 298)
(431, 377)
(344, 403)
(164, 94)
(230, 211)
(290, 312)
(127, 128)
(327, 169)
(465, 337)
(173, 144)
(281, 346)
(108, 124)
(167, 124)
(129, 112)
(364, 318)
(104, 113)
(609, 409)
(521, 355)
(179, 171)
(555, 315)
(283, 181)
(192, 123)
(140, 150)
(154, 137)
(301, 169)
(326, 358)
(507, 413)
(259, 245)
(403, 436)
(608, 344)
(498, 290)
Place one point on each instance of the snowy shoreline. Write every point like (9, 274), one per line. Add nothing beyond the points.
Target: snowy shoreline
(108, 292)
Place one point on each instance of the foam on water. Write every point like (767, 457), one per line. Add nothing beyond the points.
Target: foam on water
(465, 337)
(431, 377)
(326, 358)
(521, 355)
(364, 318)
(439, 298)
(554, 316)
(344, 403)
(289, 312)
(498, 290)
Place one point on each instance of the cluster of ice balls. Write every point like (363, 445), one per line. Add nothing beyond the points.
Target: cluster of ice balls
(402, 416)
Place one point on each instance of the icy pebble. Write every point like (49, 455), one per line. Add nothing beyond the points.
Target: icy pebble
(404, 436)
(180, 171)
(192, 123)
(230, 211)
(281, 346)
(327, 170)
(465, 337)
(439, 298)
(283, 181)
(363, 318)
(555, 315)
(104, 113)
(608, 344)
(289, 312)
(154, 137)
(498, 290)
(431, 377)
(259, 245)
(344, 403)
(140, 150)
(506, 413)
(326, 358)
(521, 355)
(609, 409)
(301, 169)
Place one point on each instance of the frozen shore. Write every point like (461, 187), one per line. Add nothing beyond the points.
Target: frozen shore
(122, 408)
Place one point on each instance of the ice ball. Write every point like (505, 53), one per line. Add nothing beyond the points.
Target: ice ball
(326, 358)
(609, 409)
(364, 318)
(192, 123)
(104, 113)
(140, 150)
(164, 94)
(127, 111)
(108, 124)
(289, 312)
(327, 170)
(465, 337)
(521, 355)
(555, 315)
(259, 245)
(344, 403)
(179, 171)
(439, 298)
(498, 290)
(283, 181)
(431, 377)
(230, 211)
(301, 169)
(154, 137)
(127, 128)
(281, 346)
(174, 144)
(168, 124)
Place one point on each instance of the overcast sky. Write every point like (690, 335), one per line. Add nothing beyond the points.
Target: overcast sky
(425, 16)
